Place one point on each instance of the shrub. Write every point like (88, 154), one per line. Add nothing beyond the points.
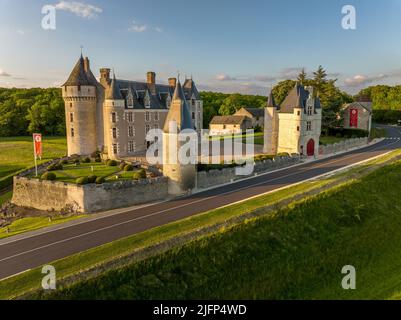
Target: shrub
(92, 179)
(283, 154)
(63, 162)
(100, 180)
(51, 167)
(140, 174)
(98, 159)
(76, 161)
(128, 167)
(86, 160)
(48, 176)
(82, 180)
(112, 163)
(95, 154)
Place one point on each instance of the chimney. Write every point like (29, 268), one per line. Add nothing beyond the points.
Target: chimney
(151, 77)
(172, 82)
(86, 64)
(104, 75)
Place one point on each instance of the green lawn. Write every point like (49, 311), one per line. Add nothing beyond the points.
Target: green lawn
(296, 253)
(326, 140)
(206, 271)
(16, 154)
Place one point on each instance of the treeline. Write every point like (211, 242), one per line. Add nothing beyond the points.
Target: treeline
(222, 104)
(24, 111)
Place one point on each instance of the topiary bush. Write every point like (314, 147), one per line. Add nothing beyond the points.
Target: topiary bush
(122, 165)
(140, 174)
(98, 159)
(82, 180)
(64, 162)
(128, 167)
(112, 163)
(100, 180)
(86, 160)
(51, 167)
(92, 179)
(48, 176)
(77, 162)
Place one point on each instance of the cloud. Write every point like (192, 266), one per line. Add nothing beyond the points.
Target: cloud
(4, 74)
(21, 32)
(80, 9)
(361, 80)
(225, 77)
(160, 30)
(135, 27)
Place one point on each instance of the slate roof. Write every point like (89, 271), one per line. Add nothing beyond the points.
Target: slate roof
(157, 100)
(79, 77)
(297, 98)
(228, 119)
(271, 102)
(113, 93)
(179, 112)
(255, 112)
(367, 105)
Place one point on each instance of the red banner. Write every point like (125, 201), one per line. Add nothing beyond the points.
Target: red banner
(37, 144)
(353, 118)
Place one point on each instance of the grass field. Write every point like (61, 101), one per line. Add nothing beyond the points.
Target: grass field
(296, 253)
(16, 153)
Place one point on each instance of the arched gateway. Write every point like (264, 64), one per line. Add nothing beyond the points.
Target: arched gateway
(311, 148)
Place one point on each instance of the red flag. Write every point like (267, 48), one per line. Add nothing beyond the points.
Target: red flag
(37, 143)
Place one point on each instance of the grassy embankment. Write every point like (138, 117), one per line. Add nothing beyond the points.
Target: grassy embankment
(118, 249)
(296, 253)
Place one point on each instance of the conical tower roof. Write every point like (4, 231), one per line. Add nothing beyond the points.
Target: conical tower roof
(79, 77)
(271, 103)
(179, 111)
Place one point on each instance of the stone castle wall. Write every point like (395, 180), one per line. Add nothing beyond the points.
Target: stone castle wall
(207, 179)
(55, 195)
(343, 146)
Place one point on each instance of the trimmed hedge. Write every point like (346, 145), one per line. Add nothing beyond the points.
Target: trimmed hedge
(111, 163)
(92, 179)
(347, 133)
(82, 180)
(48, 176)
(100, 180)
(140, 174)
(128, 167)
(86, 160)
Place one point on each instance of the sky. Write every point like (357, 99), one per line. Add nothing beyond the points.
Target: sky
(244, 46)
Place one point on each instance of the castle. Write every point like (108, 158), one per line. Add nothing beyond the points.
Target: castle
(295, 125)
(114, 116)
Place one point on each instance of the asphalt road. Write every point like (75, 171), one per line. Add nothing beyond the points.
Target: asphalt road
(18, 255)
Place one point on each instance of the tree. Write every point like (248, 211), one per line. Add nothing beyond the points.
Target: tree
(281, 90)
(319, 78)
(302, 77)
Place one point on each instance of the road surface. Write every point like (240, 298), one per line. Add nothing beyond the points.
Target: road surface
(30, 251)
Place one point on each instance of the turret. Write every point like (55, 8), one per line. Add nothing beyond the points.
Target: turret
(114, 106)
(271, 126)
(79, 94)
(182, 176)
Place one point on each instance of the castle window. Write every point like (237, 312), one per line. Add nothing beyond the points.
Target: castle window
(114, 131)
(299, 113)
(310, 111)
(147, 128)
(131, 146)
(298, 128)
(193, 102)
(130, 102)
(193, 115)
(79, 88)
(147, 116)
(130, 117)
(309, 126)
(130, 131)
(115, 149)
(71, 105)
(113, 117)
(156, 126)
(71, 117)
(72, 132)
(156, 116)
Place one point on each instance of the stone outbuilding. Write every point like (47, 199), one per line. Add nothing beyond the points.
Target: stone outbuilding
(256, 115)
(358, 115)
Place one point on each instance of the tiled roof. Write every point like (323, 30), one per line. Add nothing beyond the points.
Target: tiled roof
(256, 112)
(228, 119)
(297, 98)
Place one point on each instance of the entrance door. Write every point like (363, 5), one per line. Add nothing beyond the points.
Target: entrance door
(311, 148)
(353, 118)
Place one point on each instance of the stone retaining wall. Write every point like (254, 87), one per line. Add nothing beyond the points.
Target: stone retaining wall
(58, 196)
(343, 146)
(207, 179)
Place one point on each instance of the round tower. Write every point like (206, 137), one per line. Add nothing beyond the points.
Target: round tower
(182, 176)
(114, 106)
(79, 94)
(271, 127)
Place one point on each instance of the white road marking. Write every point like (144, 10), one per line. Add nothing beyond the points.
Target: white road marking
(187, 204)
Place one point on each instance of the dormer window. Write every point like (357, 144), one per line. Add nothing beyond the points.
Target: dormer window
(310, 110)
(147, 100)
(130, 102)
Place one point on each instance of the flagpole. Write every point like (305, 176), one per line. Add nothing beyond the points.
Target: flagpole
(34, 155)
